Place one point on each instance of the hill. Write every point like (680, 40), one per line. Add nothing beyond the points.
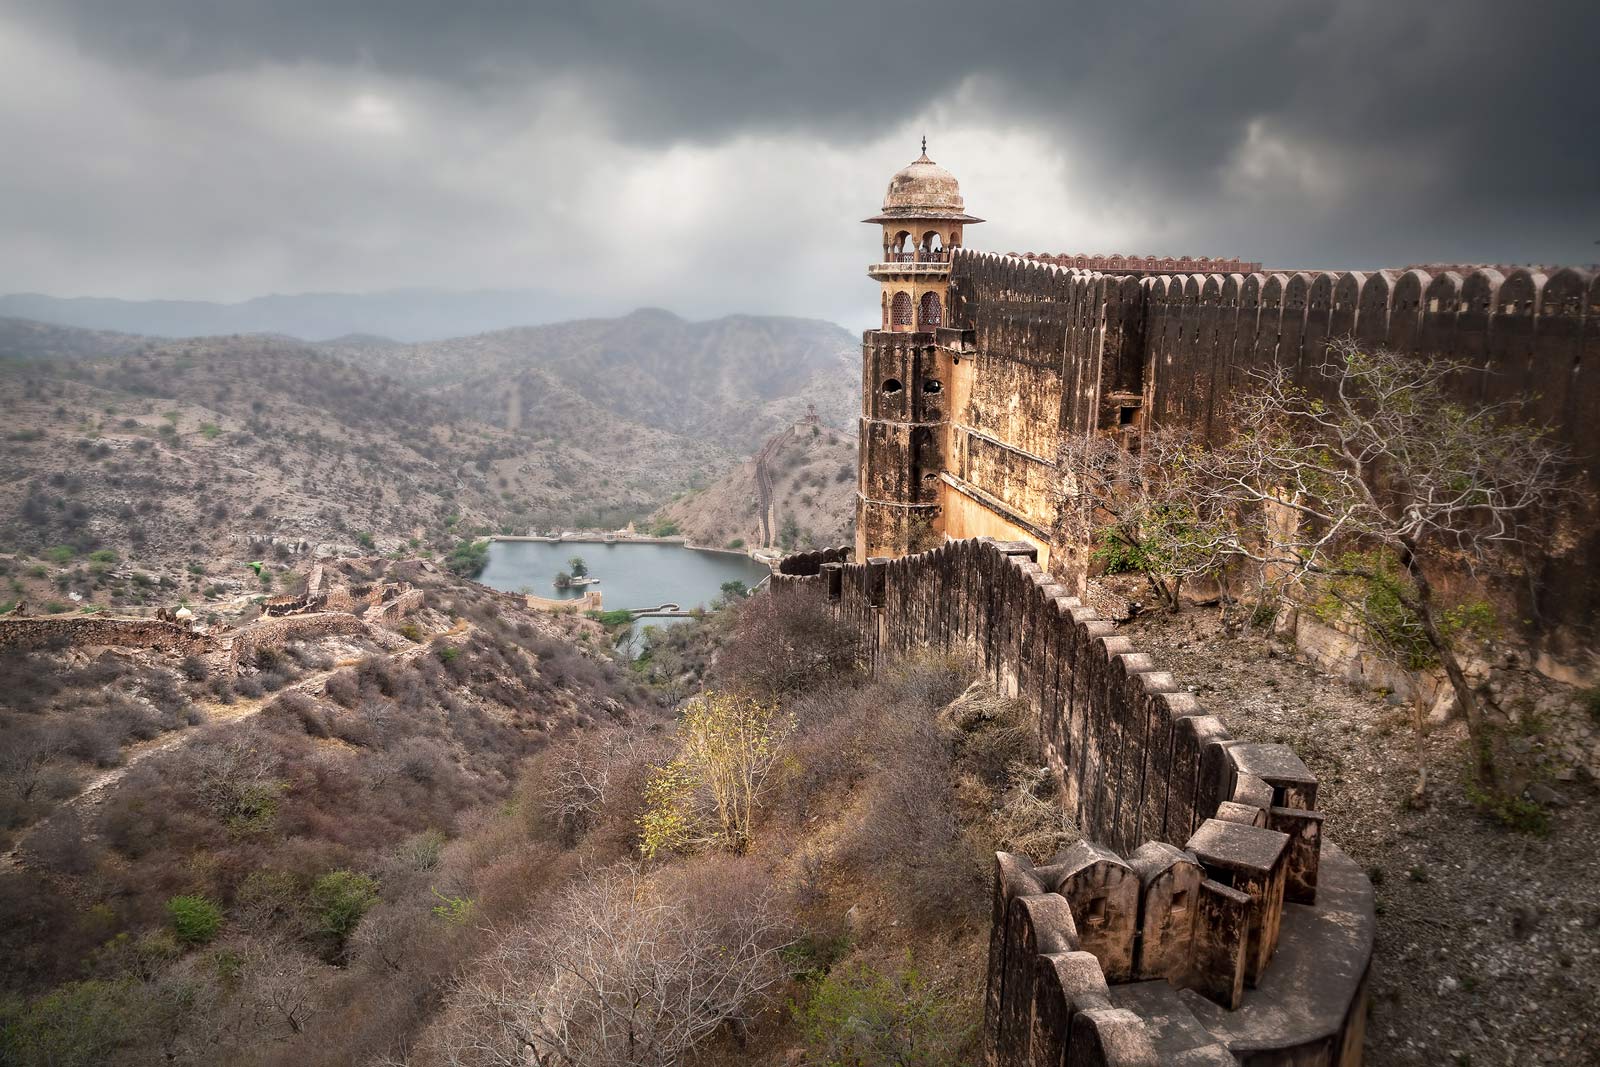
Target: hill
(186, 459)
(27, 339)
(408, 314)
(733, 381)
(810, 474)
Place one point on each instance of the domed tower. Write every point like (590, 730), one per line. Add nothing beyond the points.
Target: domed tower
(922, 219)
(904, 406)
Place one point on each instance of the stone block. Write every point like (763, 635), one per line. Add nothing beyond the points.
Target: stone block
(1305, 851)
(1293, 785)
(1252, 860)
(1109, 1037)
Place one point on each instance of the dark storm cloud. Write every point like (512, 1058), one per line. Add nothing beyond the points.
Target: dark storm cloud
(1372, 132)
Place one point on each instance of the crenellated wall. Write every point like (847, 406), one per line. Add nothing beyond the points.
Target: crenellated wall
(1038, 352)
(1204, 895)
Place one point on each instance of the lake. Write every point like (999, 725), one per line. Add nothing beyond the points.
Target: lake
(632, 574)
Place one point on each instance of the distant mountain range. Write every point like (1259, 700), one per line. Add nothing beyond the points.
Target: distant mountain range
(165, 449)
(401, 314)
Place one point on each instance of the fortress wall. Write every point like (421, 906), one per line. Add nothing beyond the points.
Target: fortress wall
(1137, 757)
(1208, 837)
(1173, 350)
(271, 632)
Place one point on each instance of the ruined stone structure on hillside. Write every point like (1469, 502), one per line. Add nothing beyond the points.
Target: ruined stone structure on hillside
(1206, 919)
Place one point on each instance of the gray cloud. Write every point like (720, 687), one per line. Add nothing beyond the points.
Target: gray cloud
(205, 147)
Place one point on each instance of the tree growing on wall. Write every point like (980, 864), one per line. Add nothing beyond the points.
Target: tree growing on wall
(1142, 510)
(1366, 488)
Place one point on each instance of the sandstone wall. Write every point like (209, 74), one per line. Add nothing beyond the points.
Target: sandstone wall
(1207, 852)
(1172, 350)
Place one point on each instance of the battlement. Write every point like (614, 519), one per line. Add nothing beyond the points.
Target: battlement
(1204, 855)
(1117, 263)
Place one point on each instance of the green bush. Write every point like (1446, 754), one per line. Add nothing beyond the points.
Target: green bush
(338, 901)
(210, 430)
(59, 554)
(615, 617)
(861, 1017)
(79, 1024)
(195, 919)
(468, 558)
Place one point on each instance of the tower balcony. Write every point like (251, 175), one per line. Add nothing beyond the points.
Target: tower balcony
(903, 263)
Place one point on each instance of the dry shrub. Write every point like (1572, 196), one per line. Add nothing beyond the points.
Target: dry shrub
(783, 645)
(623, 970)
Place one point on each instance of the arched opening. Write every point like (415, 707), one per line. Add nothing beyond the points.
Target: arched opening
(891, 386)
(900, 310)
(931, 249)
(928, 314)
(902, 248)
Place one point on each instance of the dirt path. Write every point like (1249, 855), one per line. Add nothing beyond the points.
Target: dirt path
(95, 788)
(1488, 947)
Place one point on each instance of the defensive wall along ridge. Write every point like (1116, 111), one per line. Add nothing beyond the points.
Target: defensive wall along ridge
(1204, 920)
(962, 425)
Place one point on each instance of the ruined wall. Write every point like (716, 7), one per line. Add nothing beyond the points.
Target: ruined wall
(86, 630)
(1207, 852)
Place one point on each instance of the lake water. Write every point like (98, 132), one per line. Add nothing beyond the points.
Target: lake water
(632, 574)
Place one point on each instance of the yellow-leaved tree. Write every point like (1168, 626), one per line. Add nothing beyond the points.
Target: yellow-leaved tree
(707, 794)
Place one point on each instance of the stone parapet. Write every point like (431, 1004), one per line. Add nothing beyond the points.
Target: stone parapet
(1204, 854)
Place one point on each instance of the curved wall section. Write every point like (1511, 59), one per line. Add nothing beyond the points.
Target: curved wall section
(1214, 916)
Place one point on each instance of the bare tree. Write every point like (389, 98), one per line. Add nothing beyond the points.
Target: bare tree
(24, 758)
(1359, 489)
(582, 777)
(627, 970)
(1141, 509)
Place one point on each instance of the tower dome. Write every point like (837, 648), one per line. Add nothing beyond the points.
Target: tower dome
(923, 190)
(923, 185)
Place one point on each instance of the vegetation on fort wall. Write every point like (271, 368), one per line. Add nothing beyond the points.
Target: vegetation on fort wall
(1351, 495)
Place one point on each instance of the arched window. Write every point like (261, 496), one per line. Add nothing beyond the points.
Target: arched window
(928, 315)
(901, 310)
(903, 249)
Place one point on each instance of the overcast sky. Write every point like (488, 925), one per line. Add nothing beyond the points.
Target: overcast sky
(713, 156)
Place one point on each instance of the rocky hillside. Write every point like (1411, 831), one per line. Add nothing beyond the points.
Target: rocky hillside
(131, 459)
(731, 381)
(27, 339)
(810, 472)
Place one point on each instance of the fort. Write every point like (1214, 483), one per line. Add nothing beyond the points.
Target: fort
(1205, 919)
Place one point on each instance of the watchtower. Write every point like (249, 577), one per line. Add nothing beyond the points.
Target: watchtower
(922, 219)
(905, 408)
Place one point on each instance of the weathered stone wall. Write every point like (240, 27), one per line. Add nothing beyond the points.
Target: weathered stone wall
(1121, 352)
(1222, 841)
(87, 630)
(271, 632)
